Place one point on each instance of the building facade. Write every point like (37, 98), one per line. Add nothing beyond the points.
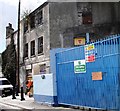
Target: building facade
(43, 33)
(98, 19)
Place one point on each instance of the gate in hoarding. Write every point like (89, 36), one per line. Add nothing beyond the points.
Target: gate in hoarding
(89, 75)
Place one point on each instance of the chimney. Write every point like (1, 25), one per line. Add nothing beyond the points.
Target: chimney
(9, 30)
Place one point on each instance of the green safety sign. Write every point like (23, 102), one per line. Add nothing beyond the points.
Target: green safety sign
(80, 66)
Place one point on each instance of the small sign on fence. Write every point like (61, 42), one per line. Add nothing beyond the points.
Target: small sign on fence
(80, 66)
(90, 53)
(96, 75)
(79, 41)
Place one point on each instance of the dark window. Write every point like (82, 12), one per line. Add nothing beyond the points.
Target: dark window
(87, 18)
(32, 47)
(84, 13)
(43, 69)
(40, 45)
(25, 26)
(32, 21)
(39, 17)
(26, 50)
(29, 72)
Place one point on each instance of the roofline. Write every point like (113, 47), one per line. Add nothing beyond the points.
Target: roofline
(40, 7)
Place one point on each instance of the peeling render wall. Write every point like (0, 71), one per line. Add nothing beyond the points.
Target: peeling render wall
(105, 22)
(40, 30)
(34, 61)
(62, 15)
(101, 13)
(56, 18)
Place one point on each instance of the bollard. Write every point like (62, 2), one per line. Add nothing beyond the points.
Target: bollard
(13, 93)
(22, 95)
(17, 90)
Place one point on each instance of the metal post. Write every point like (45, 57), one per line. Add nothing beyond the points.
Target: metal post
(13, 93)
(87, 38)
(18, 52)
(22, 94)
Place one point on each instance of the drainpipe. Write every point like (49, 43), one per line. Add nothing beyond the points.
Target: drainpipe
(87, 38)
(18, 50)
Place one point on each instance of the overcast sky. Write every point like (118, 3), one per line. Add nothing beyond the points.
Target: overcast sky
(8, 14)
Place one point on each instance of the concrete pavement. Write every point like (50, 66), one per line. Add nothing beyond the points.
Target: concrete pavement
(28, 103)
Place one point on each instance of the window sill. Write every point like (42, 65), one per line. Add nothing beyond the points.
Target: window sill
(40, 54)
(32, 56)
(40, 24)
(26, 58)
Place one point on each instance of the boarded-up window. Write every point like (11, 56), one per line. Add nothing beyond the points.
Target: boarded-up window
(87, 18)
(84, 13)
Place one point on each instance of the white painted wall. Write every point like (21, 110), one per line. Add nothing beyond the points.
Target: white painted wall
(45, 86)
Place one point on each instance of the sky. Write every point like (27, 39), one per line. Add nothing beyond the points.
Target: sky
(9, 14)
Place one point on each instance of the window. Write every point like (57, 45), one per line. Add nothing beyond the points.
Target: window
(40, 45)
(32, 47)
(32, 21)
(87, 18)
(29, 72)
(25, 26)
(43, 69)
(84, 13)
(39, 17)
(26, 50)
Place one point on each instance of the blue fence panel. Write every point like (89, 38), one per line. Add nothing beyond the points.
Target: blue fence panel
(79, 89)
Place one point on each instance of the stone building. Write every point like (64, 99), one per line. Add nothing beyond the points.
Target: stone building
(42, 33)
(57, 25)
(10, 33)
